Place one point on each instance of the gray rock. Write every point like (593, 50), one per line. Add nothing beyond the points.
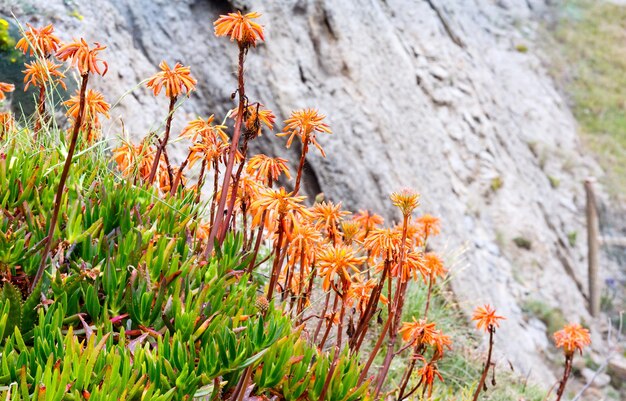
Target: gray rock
(617, 369)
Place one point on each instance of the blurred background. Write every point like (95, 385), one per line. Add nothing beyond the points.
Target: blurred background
(496, 111)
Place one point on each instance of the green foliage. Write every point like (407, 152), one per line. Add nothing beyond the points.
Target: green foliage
(551, 317)
(523, 243)
(590, 60)
(132, 311)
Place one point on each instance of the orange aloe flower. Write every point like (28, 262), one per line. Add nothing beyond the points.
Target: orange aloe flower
(255, 116)
(209, 151)
(384, 243)
(367, 221)
(129, 157)
(94, 106)
(176, 80)
(361, 291)
(278, 203)
(5, 88)
(327, 216)
(486, 318)
(407, 200)
(40, 71)
(434, 265)
(304, 124)
(41, 41)
(265, 168)
(205, 129)
(414, 264)
(417, 330)
(304, 241)
(440, 341)
(336, 261)
(240, 27)
(572, 337)
(84, 58)
(7, 123)
(429, 225)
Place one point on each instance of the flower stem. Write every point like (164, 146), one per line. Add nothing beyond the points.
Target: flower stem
(41, 109)
(483, 377)
(200, 180)
(163, 143)
(61, 187)
(179, 175)
(305, 149)
(219, 219)
(566, 373)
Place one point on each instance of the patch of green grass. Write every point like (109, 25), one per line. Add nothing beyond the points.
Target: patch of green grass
(551, 317)
(590, 61)
(523, 243)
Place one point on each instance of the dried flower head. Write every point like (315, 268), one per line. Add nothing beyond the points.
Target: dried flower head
(486, 318)
(40, 41)
(427, 374)
(304, 124)
(176, 80)
(255, 116)
(240, 27)
(84, 58)
(407, 200)
(41, 71)
(5, 88)
(572, 337)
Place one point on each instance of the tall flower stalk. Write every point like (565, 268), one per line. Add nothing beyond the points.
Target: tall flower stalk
(573, 337)
(242, 29)
(177, 81)
(86, 60)
(304, 124)
(486, 319)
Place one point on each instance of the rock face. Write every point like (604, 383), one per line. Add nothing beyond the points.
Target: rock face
(446, 97)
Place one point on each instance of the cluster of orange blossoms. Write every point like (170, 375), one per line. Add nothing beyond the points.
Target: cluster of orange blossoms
(43, 72)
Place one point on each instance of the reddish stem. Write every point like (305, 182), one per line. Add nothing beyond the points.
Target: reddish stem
(200, 180)
(163, 143)
(41, 109)
(566, 373)
(305, 149)
(219, 220)
(61, 187)
(483, 377)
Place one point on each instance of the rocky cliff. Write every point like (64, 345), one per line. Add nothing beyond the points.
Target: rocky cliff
(446, 97)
